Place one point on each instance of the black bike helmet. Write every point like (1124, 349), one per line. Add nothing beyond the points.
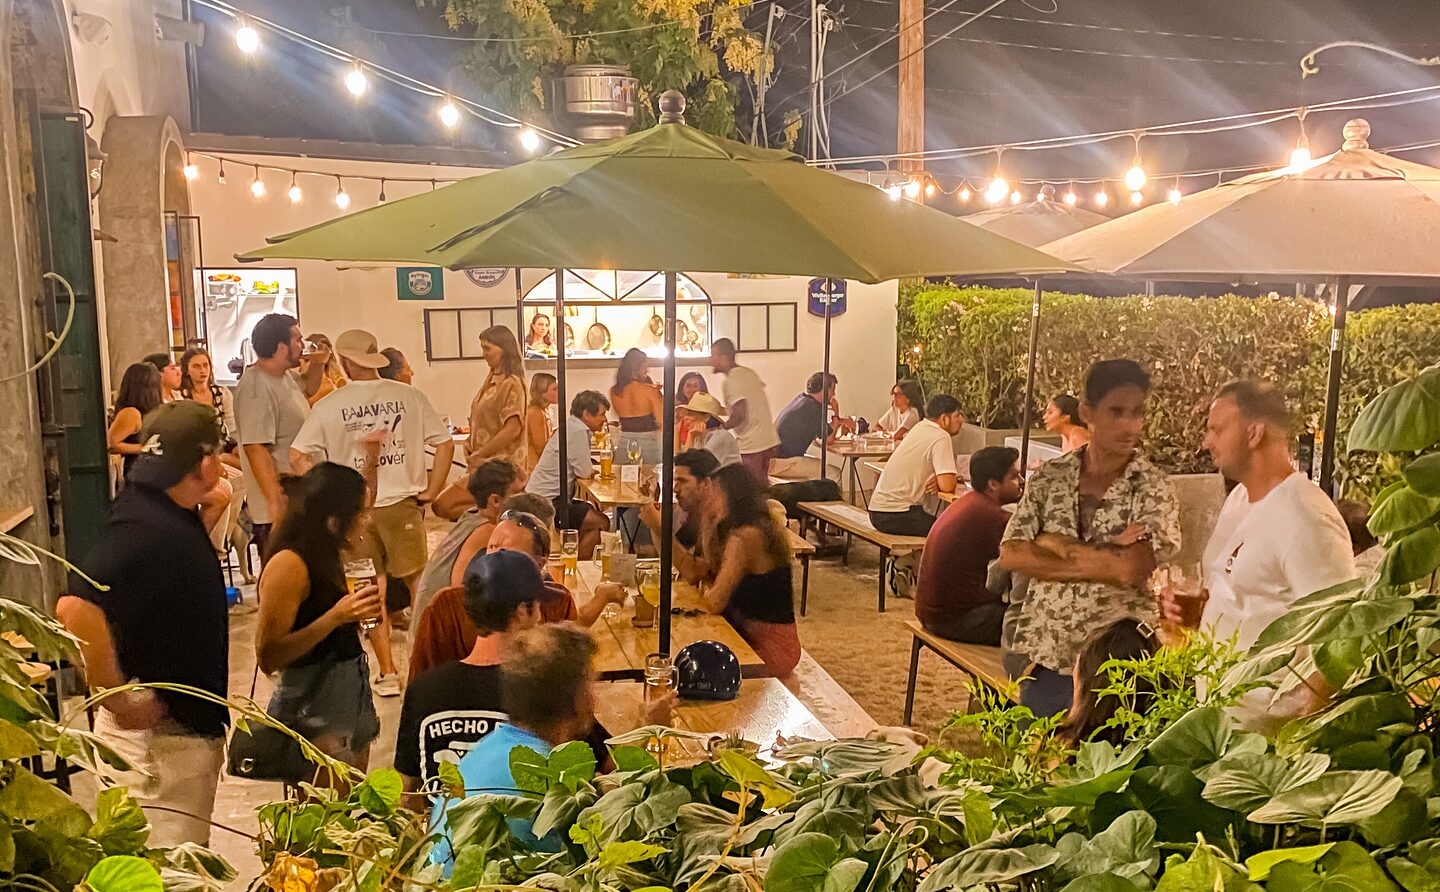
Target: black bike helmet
(707, 670)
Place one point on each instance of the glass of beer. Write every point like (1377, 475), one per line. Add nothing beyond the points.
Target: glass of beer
(607, 464)
(660, 676)
(1184, 584)
(358, 574)
(570, 551)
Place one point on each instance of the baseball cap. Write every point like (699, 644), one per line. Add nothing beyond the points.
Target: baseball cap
(504, 577)
(174, 438)
(360, 347)
(705, 403)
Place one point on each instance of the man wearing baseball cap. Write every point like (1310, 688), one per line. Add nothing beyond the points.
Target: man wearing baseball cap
(151, 583)
(704, 419)
(372, 406)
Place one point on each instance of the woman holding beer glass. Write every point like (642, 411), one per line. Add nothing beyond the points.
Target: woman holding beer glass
(311, 615)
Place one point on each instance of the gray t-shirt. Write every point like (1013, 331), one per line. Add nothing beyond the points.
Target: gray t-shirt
(269, 412)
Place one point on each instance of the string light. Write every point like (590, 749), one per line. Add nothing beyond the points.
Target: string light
(1070, 197)
(246, 37)
(1300, 155)
(221, 178)
(998, 188)
(382, 190)
(342, 198)
(257, 185)
(294, 193)
(1102, 197)
(930, 190)
(1136, 197)
(356, 81)
(449, 114)
(1174, 195)
(965, 193)
(893, 191)
(1016, 197)
(912, 189)
(529, 140)
(191, 171)
(1135, 177)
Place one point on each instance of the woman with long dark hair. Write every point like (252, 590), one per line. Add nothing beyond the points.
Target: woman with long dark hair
(198, 383)
(221, 506)
(907, 407)
(138, 396)
(1125, 639)
(753, 585)
(1062, 416)
(539, 340)
(638, 405)
(309, 621)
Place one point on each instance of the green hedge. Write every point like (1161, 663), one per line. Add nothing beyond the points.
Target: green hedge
(973, 344)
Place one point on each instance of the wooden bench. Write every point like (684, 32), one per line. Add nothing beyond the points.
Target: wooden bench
(856, 523)
(979, 661)
(804, 549)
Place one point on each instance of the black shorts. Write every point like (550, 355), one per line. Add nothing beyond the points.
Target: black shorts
(578, 512)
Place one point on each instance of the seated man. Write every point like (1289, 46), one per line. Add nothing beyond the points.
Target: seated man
(445, 633)
(490, 484)
(450, 707)
(587, 415)
(801, 423)
(922, 466)
(693, 470)
(952, 600)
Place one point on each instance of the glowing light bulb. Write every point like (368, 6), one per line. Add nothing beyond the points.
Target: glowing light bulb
(356, 81)
(893, 192)
(1300, 157)
(1174, 195)
(965, 194)
(1102, 198)
(529, 140)
(294, 194)
(257, 187)
(449, 115)
(191, 171)
(1135, 177)
(929, 190)
(912, 190)
(342, 198)
(1071, 198)
(246, 37)
(221, 178)
(1016, 197)
(997, 190)
(1136, 198)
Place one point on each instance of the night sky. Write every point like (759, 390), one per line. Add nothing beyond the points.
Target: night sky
(1030, 70)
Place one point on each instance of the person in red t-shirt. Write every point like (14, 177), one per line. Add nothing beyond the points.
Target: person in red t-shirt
(952, 600)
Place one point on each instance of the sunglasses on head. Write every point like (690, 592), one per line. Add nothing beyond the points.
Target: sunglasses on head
(523, 518)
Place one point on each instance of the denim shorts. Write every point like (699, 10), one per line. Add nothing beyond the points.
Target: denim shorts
(330, 699)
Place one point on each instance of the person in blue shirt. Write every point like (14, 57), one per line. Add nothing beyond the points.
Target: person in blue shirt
(547, 691)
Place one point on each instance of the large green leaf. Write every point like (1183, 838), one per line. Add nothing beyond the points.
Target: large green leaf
(1317, 623)
(120, 826)
(1345, 868)
(1126, 848)
(1101, 882)
(1244, 783)
(1403, 418)
(979, 867)
(1405, 509)
(1206, 870)
(813, 862)
(1340, 797)
(124, 873)
(381, 791)
(1413, 557)
(1423, 474)
(1260, 865)
(1413, 877)
(16, 742)
(619, 854)
(197, 859)
(750, 773)
(1198, 738)
(1171, 795)
(1356, 718)
(1402, 821)
(32, 797)
(1339, 660)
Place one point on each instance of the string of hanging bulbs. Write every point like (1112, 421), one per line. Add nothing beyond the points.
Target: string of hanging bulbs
(450, 109)
(260, 189)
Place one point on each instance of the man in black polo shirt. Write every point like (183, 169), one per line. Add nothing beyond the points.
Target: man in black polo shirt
(801, 423)
(160, 618)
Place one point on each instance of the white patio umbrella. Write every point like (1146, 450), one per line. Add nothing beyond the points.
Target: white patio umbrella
(1355, 216)
(1035, 223)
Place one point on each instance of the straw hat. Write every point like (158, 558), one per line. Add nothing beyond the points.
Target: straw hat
(706, 404)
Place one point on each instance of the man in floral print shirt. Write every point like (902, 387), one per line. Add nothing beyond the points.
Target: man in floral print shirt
(1089, 531)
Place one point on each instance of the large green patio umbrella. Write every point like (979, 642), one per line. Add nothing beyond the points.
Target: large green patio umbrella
(669, 198)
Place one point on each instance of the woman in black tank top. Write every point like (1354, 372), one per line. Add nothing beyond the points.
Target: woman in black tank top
(753, 586)
(308, 626)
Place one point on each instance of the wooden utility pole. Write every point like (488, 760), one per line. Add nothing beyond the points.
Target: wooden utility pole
(910, 135)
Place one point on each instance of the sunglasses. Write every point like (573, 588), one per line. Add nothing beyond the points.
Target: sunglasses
(522, 518)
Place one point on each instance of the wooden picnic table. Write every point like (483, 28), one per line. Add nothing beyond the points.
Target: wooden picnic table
(763, 710)
(611, 493)
(623, 647)
(851, 450)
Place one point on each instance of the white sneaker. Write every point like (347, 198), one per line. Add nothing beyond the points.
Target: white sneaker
(387, 685)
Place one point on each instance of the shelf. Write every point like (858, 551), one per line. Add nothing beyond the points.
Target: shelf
(10, 518)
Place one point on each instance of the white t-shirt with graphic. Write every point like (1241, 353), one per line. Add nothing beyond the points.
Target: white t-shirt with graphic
(337, 422)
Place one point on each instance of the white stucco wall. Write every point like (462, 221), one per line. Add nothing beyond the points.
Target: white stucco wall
(333, 299)
(128, 70)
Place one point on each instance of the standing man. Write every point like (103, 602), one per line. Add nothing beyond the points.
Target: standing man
(922, 467)
(1278, 537)
(170, 374)
(952, 599)
(749, 411)
(270, 406)
(158, 614)
(801, 423)
(1089, 531)
(587, 415)
(394, 535)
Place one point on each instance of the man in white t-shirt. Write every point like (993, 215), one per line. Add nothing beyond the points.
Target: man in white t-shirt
(1278, 537)
(394, 538)
(922, 467)
(748, 410)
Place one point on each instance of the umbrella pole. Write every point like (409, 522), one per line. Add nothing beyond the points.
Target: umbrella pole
(1332, 386)
(562, 517)
(824, 428)
(1026, 410)
(667, 459)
